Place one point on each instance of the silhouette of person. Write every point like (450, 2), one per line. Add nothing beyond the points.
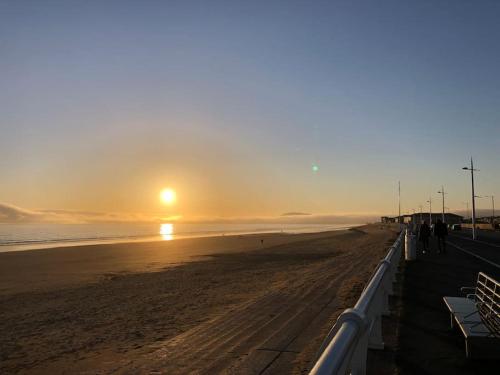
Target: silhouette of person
(423, 236)
(441, 231)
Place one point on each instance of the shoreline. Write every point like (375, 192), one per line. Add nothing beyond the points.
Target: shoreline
(56, 267)
(54, 244)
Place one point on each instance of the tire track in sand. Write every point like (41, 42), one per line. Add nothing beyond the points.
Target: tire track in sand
(251, 338)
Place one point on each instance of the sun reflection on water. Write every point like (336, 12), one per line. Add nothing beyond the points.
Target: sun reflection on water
(167, 231)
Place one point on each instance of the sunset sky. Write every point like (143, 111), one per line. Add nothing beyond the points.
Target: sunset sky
(232, 104)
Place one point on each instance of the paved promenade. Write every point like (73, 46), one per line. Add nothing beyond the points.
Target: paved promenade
(486, 246)
(418, 335)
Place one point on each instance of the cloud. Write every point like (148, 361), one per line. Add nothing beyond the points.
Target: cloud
(289, 219)
(13, 214)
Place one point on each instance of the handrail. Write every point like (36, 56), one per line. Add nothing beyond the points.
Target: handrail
(345, 347)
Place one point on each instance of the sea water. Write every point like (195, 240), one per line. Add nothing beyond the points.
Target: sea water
(17, 237)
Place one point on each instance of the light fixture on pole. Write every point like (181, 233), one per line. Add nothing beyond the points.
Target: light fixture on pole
(442, 193)
(471, 169)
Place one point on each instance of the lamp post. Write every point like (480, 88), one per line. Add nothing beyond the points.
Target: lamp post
(420, 213)
(430, 210)
(442, 193)
(471, 169)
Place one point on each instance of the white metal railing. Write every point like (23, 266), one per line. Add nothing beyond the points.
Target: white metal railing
(345, 348)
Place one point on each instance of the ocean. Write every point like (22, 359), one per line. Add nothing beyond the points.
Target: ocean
(18, 237)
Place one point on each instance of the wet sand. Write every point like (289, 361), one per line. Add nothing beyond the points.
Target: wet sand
(54, 268)
(205, 305)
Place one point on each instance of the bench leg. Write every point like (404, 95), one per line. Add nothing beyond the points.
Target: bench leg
(467, 349)
(452, 318)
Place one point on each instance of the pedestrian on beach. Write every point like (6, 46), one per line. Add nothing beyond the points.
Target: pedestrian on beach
(423, 236)
(441, 231)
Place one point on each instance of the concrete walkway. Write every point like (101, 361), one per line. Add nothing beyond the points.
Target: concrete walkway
(418, 335)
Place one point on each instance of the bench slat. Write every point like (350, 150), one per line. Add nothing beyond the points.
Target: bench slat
(471, 325)
(460, 304)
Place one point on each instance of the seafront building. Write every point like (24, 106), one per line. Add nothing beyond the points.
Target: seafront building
(449, 218)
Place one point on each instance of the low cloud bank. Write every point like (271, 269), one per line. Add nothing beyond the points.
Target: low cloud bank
(290, 219)
(13, 214)
(295, 214)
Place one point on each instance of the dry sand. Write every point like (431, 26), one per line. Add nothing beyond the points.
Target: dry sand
(136, 308)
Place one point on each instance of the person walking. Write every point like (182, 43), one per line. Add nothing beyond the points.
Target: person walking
(423, 236)
(441, 231)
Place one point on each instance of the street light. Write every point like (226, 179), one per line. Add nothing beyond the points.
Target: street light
(471, 169)
(442, 193)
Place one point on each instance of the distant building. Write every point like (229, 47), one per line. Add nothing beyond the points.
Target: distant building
(449, 218)
(387, 219)
(395, 219)
(405, 219)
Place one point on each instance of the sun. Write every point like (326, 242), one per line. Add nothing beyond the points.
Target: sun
(167, 196)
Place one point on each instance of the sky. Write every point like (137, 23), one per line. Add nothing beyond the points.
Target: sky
(248, 108)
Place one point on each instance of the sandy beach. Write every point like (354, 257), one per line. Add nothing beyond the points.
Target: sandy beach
(229, 304)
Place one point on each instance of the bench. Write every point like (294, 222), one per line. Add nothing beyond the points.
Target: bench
(478, 316)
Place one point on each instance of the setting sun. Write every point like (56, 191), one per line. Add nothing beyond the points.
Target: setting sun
(167, 196)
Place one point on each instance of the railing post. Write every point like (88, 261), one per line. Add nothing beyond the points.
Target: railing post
(375, 340)
(386, 288)
(394, 264)
(385, 303)
(358, 360)
(341, 354)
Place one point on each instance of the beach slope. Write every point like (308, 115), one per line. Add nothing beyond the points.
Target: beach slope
(246, 308)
